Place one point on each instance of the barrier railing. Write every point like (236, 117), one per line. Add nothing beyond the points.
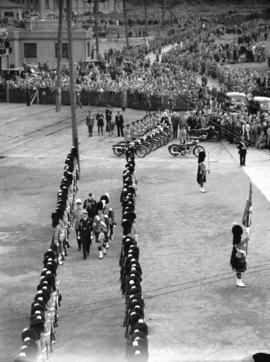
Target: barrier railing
(132, 98)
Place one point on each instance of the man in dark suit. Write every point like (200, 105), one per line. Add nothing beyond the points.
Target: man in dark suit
(242, 151)
(175, 124)
(85, 228)
(119, 121)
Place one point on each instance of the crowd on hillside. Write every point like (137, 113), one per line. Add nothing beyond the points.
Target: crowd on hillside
(172, 74)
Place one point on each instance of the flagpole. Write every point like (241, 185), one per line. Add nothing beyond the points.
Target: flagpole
(246, 219)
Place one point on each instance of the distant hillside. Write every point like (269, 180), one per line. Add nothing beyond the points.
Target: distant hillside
(201, 6)
(200, 2)
(187, 7)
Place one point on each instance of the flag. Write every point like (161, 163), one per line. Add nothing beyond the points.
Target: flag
(246, 219)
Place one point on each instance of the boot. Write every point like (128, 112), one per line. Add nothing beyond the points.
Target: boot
(202, 190)
(104, 251)
(239, 283)
(107, 246)
(100, 254)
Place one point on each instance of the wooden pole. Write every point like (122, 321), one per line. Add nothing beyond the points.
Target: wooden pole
(125, 19)
(72, 82)
(59, 58)
(145, 18)
(96, 9)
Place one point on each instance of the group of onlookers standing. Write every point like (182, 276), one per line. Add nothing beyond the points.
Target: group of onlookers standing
(105, 119)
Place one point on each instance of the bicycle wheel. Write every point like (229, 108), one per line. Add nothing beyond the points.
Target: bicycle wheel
(174, 150)
(141, 151)
(197, 150)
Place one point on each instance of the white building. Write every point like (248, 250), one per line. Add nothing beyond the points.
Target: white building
(38, 42)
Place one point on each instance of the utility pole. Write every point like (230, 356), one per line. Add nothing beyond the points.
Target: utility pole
(163, 12)
(77, 8)
(72, 82)
(145, 18)
(96, 9)
(59, 58)
(125, 19)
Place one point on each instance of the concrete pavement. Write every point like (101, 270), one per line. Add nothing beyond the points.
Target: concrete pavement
(193, 309)
(257, 166)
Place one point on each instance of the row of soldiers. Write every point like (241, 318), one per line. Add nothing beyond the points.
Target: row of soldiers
(136, 329)
(39, 338)
(62, 214)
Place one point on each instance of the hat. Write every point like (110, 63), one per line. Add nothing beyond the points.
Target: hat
(237, 230)
(78, 201)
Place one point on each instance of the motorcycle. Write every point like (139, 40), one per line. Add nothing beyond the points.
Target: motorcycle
(186, 147)
(206, 134)
(120, 148)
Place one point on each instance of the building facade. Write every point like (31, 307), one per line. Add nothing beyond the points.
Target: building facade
(38, 43)
(45, 7)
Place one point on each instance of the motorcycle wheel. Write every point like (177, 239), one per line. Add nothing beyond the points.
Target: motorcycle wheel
(118, 150)
(174, 150)
(169, 134)
(166, 138)
(159, 141)
(154, 144)
(147, 146)
(197, 150)
(141, 151)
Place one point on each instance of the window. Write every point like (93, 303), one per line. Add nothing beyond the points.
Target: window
(64, 50)
(47, 4)
(9, 14)
(30, 50)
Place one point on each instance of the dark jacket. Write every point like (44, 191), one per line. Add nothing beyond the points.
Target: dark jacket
(242, 147)
(85, 228)
(119, 120)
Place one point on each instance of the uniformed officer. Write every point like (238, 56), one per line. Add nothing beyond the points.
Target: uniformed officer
(85, 230)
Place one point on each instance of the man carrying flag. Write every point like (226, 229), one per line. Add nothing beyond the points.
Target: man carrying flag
(240, 245)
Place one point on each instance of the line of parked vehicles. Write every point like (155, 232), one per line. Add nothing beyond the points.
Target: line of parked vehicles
(259, 103)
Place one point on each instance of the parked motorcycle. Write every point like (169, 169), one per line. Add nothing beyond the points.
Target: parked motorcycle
(186, 147)
(206, 134)
(120, 148)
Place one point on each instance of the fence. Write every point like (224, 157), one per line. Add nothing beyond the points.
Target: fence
(131, 99)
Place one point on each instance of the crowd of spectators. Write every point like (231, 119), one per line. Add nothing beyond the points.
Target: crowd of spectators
(130, 70)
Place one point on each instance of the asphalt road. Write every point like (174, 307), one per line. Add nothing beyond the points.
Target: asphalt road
(193, 309)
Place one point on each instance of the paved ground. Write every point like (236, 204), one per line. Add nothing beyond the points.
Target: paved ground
(194, 311)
